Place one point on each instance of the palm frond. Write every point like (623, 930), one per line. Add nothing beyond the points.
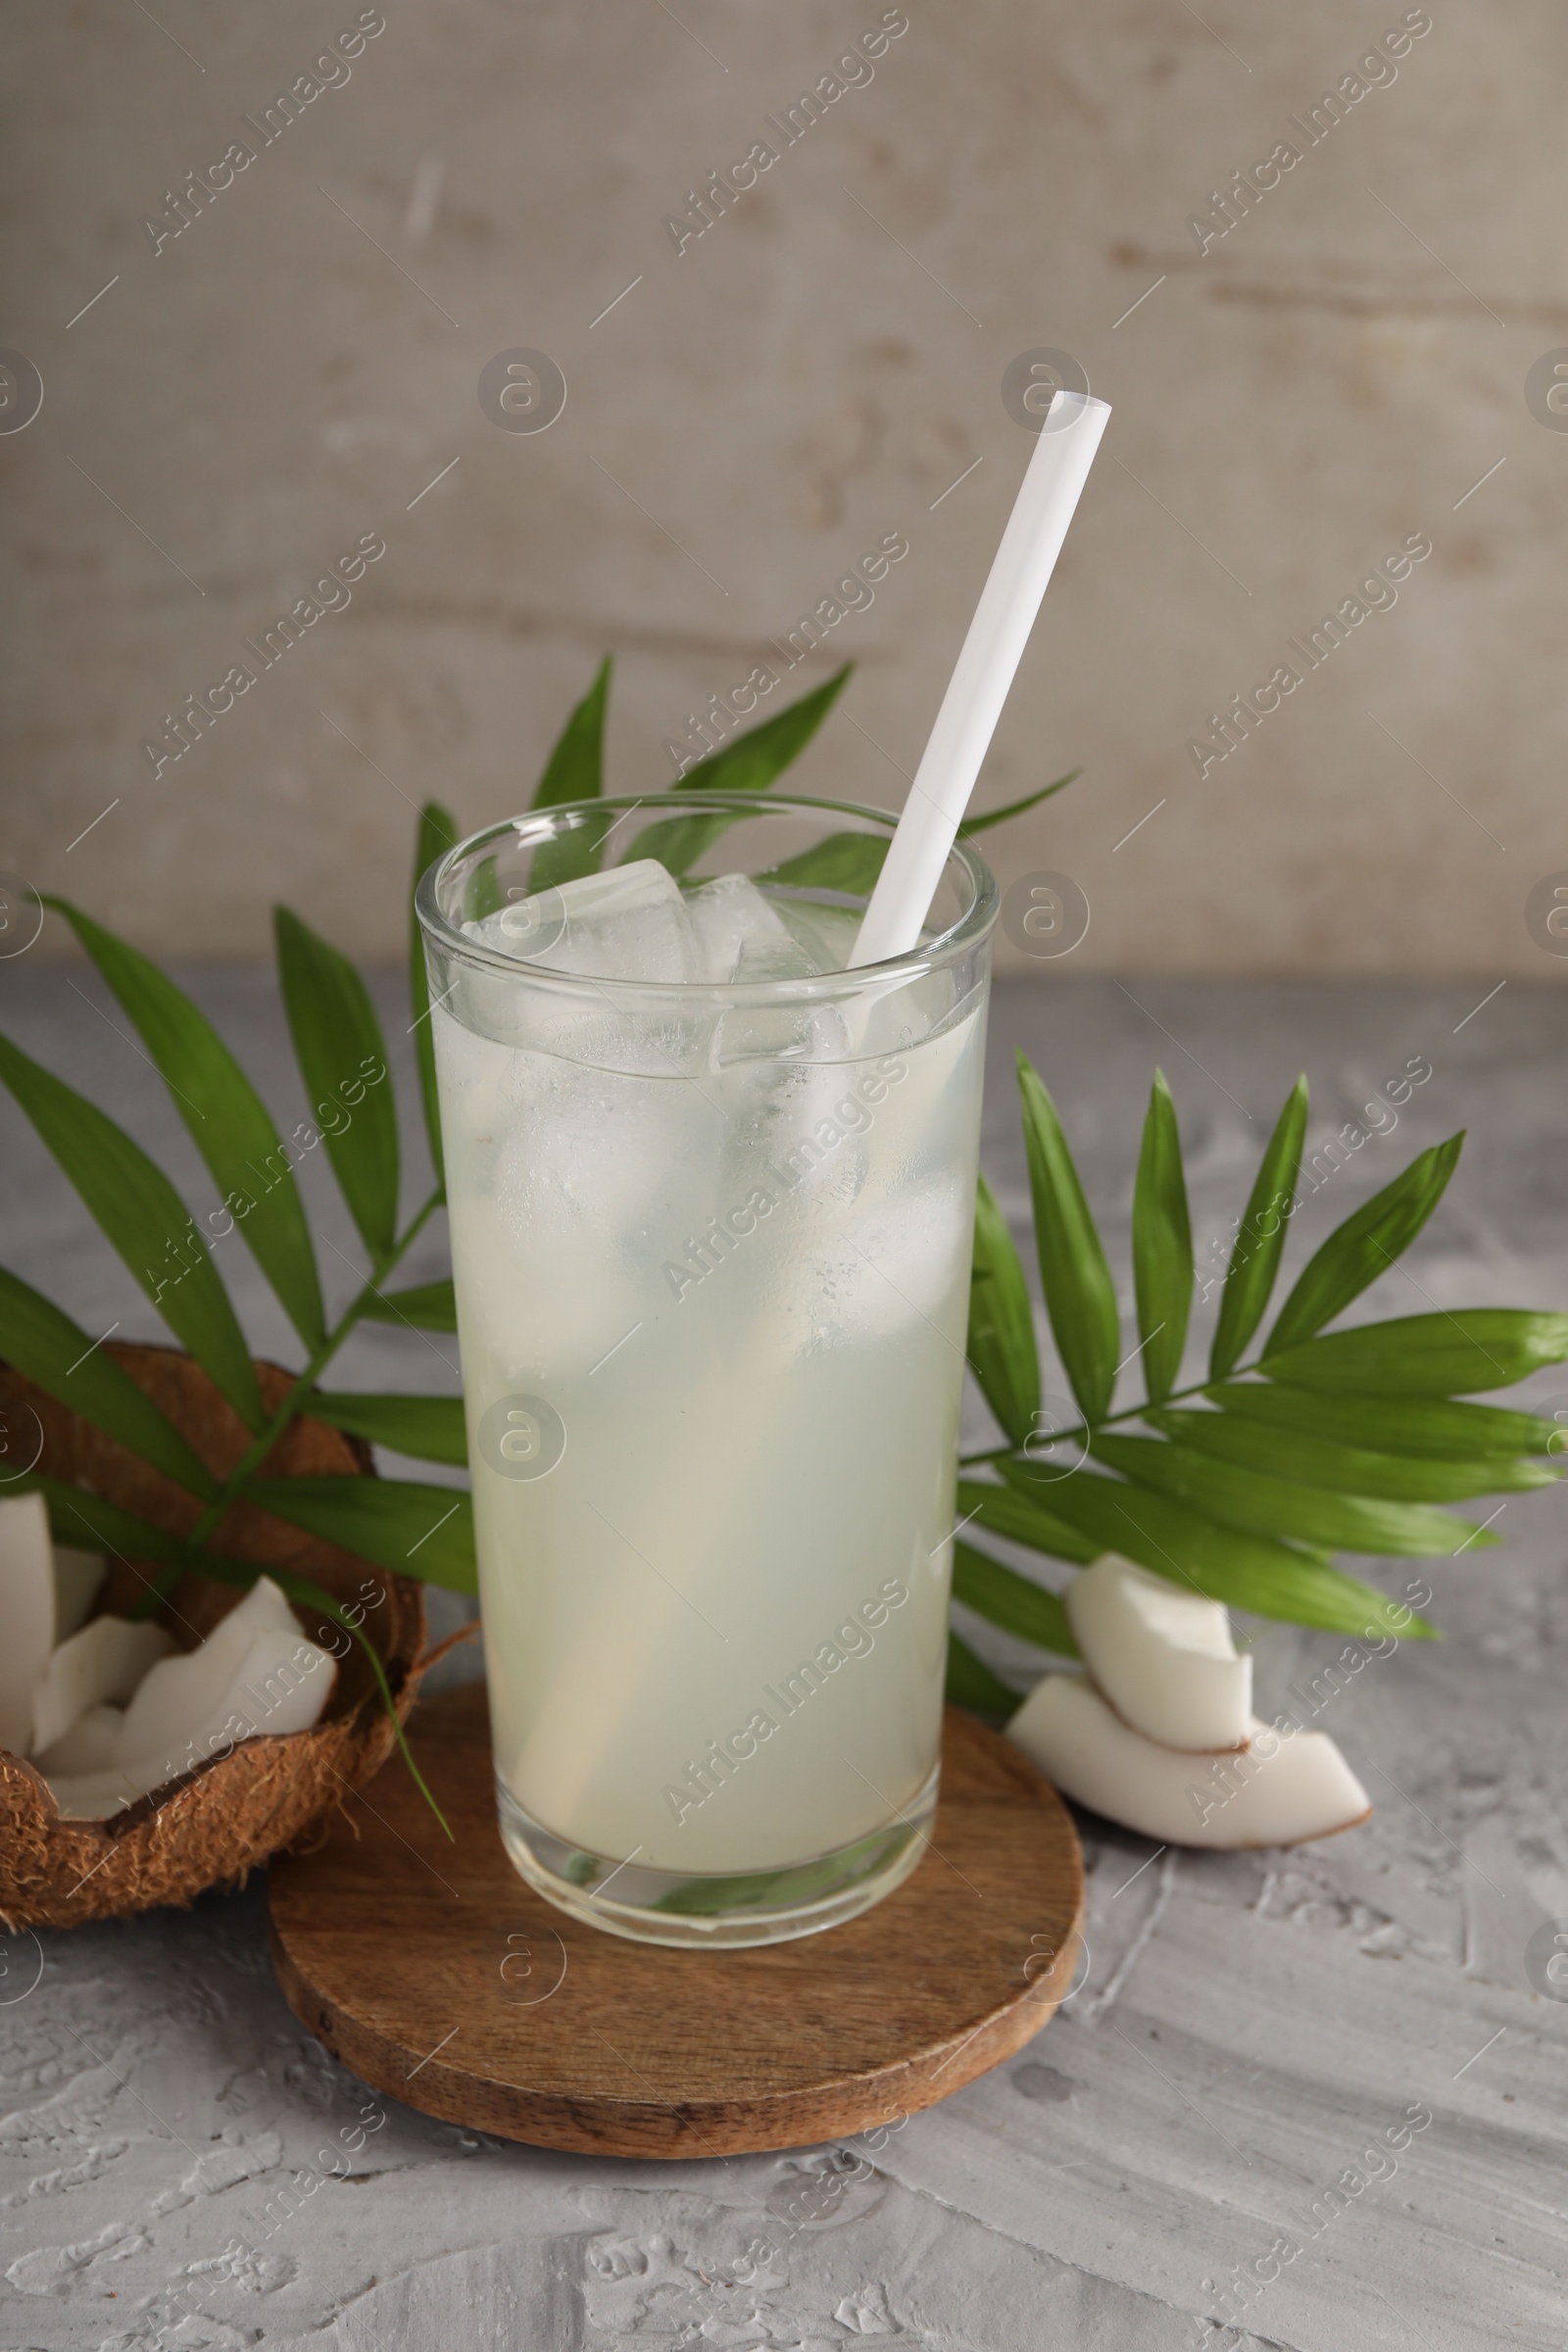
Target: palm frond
(1245, 1485)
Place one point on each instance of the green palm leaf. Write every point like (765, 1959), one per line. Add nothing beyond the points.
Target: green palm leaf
(1427, 1355)
(676, 842)
(437, 833)
(969, 826)
(341, 1051)
(1014, 1602)
(972, 1685)
(1293, 1453)
(1163, 1245)
(575, 771)
(1259, 1241)
(48, 1348)
(91, 1523)
(1365, 1246)
(1406, 1425)
(396, 1523)
(1017, 1513)
(1000, 1345)
(753, 761)
(1244, 1571)
(850, 862)
(575, 768)
(228, 1120)
(424, 1306)
(144, 1218)
(429, 1428)
(751, 764)
(1079, 1296)
(1279, 1506)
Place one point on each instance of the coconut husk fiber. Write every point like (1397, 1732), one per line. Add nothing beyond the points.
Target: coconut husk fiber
(212, 1825)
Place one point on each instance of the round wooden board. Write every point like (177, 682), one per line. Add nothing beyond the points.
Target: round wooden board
(433, 1972)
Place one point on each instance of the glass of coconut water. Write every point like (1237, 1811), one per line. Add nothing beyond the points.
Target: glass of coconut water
(712, 1201)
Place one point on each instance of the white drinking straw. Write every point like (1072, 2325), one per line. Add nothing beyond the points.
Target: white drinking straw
(998, 635)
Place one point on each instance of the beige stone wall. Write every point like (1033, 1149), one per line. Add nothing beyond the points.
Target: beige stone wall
(293, 369)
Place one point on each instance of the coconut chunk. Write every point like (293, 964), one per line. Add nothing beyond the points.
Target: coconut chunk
(280, 1684)
(1283, 1788)
(1162, 1655)
(266, 1681)
(184, 1696)
(106, 1660)
(265, 1604)
(77, 1578)
(86, 1747)
(26, 1611)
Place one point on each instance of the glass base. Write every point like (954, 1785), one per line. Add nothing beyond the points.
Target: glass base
(729, 1910)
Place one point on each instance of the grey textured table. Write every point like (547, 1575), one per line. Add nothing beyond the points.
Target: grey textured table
(1229, 2095)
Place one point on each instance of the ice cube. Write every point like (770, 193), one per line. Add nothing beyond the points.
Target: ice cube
(765, 948)
(772, 959)
(738, 935)
(895, 1268)
(774, 1032)
(601, 1154)
(557, 1172)
(627, 924)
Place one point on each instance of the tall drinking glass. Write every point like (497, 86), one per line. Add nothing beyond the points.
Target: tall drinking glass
(711, 1243)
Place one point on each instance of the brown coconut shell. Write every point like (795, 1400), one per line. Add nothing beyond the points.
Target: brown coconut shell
(213, 1825)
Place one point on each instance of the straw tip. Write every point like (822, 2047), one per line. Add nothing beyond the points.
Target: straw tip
(1082, 402)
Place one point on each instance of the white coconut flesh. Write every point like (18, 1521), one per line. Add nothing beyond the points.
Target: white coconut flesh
(28, 1591)
(265, 1682)
(273, 1682)
(78, 1576)
(1162, 1654)
(87, 1747)
(108, 1708)
(112, 1711)
(258, 1649)
(1283, 1788)
(103, 1661)
(180, 1692)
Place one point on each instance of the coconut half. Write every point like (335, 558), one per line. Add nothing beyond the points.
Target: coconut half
(1162, 1655)
(1283, 1788)
(225, 1816)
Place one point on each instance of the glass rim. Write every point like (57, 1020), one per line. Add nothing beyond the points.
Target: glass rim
(966, 931)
